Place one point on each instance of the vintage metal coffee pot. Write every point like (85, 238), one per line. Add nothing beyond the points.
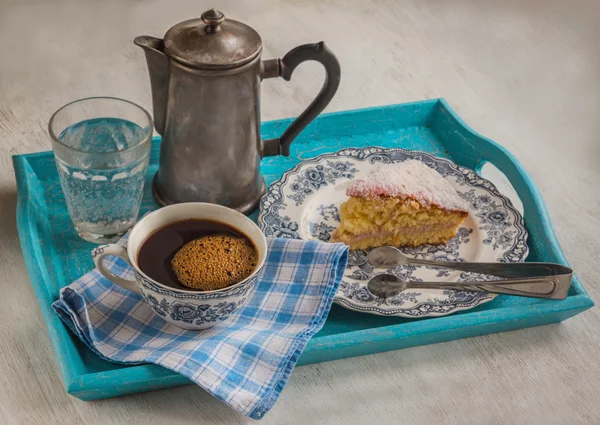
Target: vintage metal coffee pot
(205, 77)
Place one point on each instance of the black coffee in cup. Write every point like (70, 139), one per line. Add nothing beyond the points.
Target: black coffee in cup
(199, 255)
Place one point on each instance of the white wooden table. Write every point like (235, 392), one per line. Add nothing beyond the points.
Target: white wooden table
(526, 74)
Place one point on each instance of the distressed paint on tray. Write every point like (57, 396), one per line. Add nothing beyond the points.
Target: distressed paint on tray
(55, 255)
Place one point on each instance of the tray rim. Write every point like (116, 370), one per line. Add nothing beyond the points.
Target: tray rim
(148, 377)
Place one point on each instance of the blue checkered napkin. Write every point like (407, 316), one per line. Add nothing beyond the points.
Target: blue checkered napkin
(245, 360)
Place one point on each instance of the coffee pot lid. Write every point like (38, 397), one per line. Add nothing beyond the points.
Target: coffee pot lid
(212, 42)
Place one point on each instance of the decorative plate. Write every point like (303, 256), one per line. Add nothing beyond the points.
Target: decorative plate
(304, 204)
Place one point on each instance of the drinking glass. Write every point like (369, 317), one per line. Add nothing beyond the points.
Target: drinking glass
(102, 146)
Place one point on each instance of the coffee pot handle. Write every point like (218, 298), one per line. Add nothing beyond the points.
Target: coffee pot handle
(284, 68)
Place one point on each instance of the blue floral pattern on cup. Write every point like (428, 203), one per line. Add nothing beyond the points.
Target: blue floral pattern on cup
(197, 309)
(191, 313)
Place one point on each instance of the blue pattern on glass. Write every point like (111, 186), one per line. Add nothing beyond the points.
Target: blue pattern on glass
(103, 196)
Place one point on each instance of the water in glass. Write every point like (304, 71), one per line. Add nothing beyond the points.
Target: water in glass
(102, 164)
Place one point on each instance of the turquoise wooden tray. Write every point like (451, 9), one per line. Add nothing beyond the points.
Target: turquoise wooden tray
(55, 255)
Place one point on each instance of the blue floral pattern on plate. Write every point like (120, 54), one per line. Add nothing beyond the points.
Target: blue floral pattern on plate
(304, 204)
(313, 178)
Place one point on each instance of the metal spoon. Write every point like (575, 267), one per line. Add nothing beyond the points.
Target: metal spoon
(554, 287)
(387, 257)
(540, 280)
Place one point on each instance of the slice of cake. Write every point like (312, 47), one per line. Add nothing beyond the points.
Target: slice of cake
(402, 204)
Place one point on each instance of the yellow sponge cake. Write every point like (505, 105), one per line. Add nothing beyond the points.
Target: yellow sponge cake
(401, 204)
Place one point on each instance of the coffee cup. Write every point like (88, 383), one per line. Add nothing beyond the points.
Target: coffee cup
(187, 309)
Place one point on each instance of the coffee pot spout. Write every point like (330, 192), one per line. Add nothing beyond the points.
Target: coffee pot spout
(158, 67)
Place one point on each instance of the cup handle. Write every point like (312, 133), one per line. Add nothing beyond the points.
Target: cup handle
(102, 251)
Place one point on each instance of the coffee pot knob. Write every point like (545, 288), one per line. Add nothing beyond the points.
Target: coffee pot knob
(212, 18)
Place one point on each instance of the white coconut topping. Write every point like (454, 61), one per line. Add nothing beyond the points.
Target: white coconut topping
(411, 179)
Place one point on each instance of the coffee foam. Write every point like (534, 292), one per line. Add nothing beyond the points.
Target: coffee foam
(214, 262)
